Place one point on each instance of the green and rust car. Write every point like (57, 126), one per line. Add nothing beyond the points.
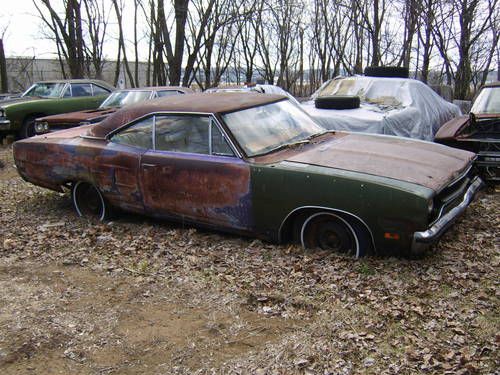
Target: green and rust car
(49, 98)
(257, 165)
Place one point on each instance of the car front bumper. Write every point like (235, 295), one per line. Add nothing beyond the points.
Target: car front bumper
(4, 125)
(423, 240)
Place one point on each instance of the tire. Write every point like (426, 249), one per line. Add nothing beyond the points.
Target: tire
(329, 231)
(387, 71)
(28, 127)
(89, 202)
(337, 102)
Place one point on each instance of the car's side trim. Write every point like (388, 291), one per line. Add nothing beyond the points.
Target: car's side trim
(280, 234)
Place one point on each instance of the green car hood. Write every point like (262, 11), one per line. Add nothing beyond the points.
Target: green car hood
(7, 102)
(424, 163)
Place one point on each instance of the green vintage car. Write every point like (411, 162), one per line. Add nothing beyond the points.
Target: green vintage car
(49, 98)
(256, 164)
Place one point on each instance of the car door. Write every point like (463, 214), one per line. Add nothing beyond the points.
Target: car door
(119, 165)
(192, 173)
(77, 97)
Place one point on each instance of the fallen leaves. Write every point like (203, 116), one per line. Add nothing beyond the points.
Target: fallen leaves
(376, 315)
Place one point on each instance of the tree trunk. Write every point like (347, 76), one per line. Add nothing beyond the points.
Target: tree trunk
(3, 70)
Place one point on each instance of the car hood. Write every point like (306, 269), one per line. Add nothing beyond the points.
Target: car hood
(77, 117)
(6, 102)
(424, 163)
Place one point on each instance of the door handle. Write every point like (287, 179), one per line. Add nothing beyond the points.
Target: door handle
(147, 166)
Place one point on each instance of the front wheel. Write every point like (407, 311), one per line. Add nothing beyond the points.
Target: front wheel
(89, 202)
(329, 231)
(28, 127)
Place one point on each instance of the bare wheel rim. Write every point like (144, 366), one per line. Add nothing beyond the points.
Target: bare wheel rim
(88, 201)
(330, 232)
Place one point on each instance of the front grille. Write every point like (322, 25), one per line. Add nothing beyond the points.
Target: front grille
(450, 196)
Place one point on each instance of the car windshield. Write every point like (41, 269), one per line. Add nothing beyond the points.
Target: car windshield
(488, 101)
(123, 98)
(269, 127)
(46, 89)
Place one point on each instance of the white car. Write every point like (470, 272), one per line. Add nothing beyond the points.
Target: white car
(393, 106)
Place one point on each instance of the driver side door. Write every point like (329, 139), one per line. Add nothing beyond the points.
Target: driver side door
(192, 173)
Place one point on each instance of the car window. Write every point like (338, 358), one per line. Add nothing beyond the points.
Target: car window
(182, 134)
(67, 92)
(137, 135)
(163, 93)
(98, 90)
(220, 146)
(46, 89)
(81, 89)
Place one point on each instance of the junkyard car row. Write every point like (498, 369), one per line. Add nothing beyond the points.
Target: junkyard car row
(257, 165)
(261, 165)
(50, 98)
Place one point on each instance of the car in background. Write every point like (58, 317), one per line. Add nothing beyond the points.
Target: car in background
(479, 131)
(113, 102)
(49, 98)
(257, 165)
(252, 87)
(382, 105)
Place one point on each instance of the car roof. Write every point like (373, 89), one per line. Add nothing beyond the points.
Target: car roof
(215, 103)
(79, 80)
(492, 84)
(159, 88)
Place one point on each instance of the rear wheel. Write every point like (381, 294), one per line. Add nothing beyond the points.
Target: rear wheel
(89, 202)
(329, 231)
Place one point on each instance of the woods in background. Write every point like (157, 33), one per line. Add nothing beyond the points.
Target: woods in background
(296, 44)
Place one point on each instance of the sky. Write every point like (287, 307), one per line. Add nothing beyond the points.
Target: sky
(21, 29)
(23, 32)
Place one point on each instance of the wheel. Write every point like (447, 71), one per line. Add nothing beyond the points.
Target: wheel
(387, 71)
(337, 102)
(329, 231)
(28, 127)
(89, 202)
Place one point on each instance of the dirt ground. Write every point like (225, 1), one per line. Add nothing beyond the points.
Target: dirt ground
(139, 296)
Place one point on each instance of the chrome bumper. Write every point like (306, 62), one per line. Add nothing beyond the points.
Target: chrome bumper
(4, 125)
(423, 240)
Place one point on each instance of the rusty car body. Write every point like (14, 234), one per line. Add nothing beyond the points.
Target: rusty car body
(478, 132)
(257, 165)
(116, 100)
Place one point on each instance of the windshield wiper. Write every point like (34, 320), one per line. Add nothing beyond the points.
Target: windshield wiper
(284, 145)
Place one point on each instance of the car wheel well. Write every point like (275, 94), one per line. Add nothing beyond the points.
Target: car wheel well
(291, 226)
(24, 131)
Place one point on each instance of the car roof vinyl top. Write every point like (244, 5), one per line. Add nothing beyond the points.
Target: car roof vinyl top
(195, 103)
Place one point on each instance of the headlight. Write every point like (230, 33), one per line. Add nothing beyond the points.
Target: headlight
(41, 127)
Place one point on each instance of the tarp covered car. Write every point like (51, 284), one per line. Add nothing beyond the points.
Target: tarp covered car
(393, 106)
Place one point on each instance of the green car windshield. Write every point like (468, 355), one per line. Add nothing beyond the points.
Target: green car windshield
(123, 98)
(488, 101)
(263, 129)
(46, 89)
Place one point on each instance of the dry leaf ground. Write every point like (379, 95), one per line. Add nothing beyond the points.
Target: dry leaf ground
(138, 296)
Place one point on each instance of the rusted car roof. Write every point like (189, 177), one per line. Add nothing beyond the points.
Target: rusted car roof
(222, 102)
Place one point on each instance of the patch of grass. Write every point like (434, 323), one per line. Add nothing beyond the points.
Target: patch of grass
(365, 269)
